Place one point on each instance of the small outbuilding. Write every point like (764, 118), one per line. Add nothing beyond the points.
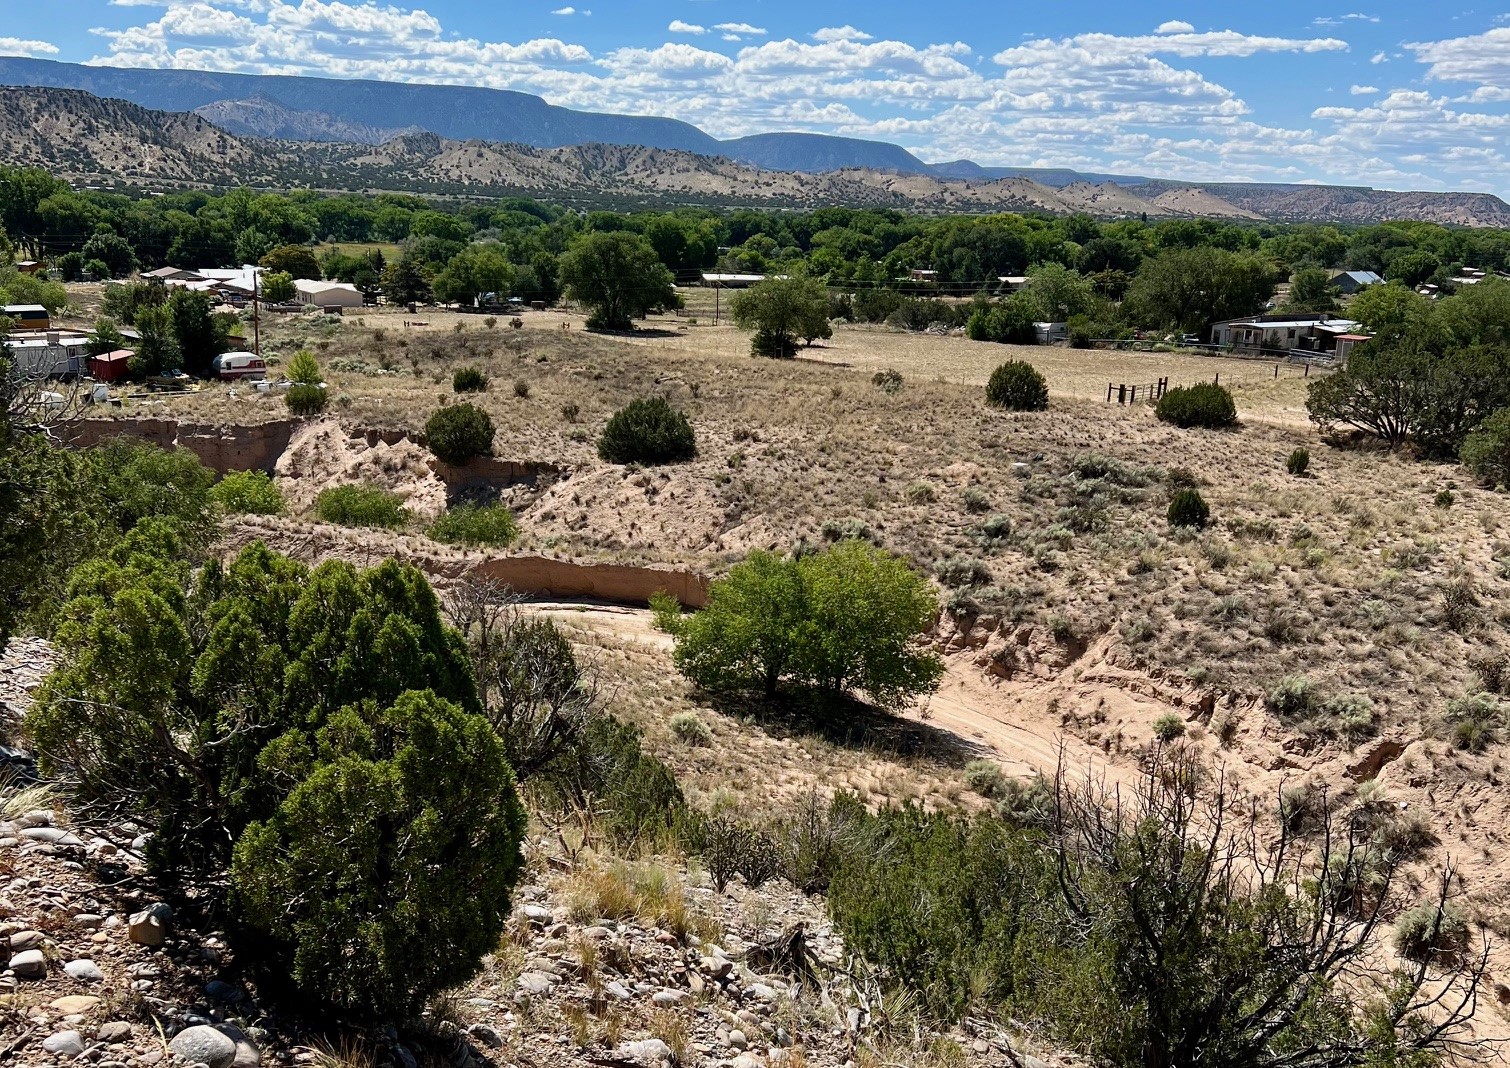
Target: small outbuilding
(27, 316)
(1352, 281)
(110, 366)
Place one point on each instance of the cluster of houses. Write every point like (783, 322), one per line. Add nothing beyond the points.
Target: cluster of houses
(238, 286)
(40, 349)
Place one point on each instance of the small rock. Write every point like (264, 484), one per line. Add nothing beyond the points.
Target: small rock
(645, 1051)
(667, 998)
(738, 1040)
(24, 940)
(76, 1004)
(204, 1045)
(486, 1035)
(149, 927)
(114, 1031)
(537, 914)
(715, 967)
(747, 1060)
(29, 964)
(85, 970)
(51, 835)
(536, 983)
(64, 1043)
(221, 991)
(88, 921)
(404, 1057)
(618, 991)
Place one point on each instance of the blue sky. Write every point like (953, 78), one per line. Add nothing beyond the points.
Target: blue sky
(1392, 94)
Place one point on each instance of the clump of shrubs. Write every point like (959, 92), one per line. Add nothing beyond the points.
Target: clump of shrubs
(647, 431)
(888, 381)
(689, 728)
(961, 571)
(459, 432)
(359, 830)
(1476, 721)
(469, 380)
(1204, 404)
(361, 505)
(248, 493)
(1430, 932)
(1188, 508)
(305, 400)
(1298, 462)
(1017, 386)
(1168, 727)
(490, 525)
(985, 777)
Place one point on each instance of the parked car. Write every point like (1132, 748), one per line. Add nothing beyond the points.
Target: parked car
(172, 380)
(234, 365)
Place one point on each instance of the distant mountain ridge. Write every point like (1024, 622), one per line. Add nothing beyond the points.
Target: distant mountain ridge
(352, 112)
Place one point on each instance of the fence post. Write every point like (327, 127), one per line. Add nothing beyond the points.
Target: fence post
(1218, 379)
(1308, 370)
(1276, 370)
(1108, 393)
(1122, 394)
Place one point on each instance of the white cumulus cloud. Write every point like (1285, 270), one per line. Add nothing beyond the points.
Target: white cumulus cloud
(841, 33)
(743, 29)
(16, 46)
(678, 26)
(1175, 26)
(1364, 90)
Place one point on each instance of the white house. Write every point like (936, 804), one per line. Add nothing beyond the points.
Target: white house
(1282, 332)
(327, 294)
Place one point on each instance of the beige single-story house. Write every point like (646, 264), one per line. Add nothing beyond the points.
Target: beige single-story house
(327, 294)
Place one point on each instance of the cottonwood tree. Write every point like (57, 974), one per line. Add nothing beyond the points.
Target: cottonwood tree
(842, 621)
(782, 311)
(618, 276)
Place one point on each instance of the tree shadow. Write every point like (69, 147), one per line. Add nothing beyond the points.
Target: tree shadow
(846, 722)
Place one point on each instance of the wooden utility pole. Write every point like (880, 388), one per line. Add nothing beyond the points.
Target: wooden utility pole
(256, 317)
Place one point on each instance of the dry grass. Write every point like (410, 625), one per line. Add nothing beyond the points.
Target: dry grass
(639, 890)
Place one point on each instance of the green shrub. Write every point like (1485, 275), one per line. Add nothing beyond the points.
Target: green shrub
(1017, 386)
(691, 729)
(1486, 451)
(491, 525)
(976, 501)
(1444, 499)
(1187, 508)
(1476, 721)
(1292, 698)
(248, 493)
(304, 369)
(361, 505)
(1201, 405)
(358, 831)
(1298, 462)
(469, 380)
(1430, 932)
(976, 877)
(305, 400)
(521, 389)
(647, 431)
(985, 777)
(459, 432)
(960, 571)
(887, 381)
(1168, 727)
